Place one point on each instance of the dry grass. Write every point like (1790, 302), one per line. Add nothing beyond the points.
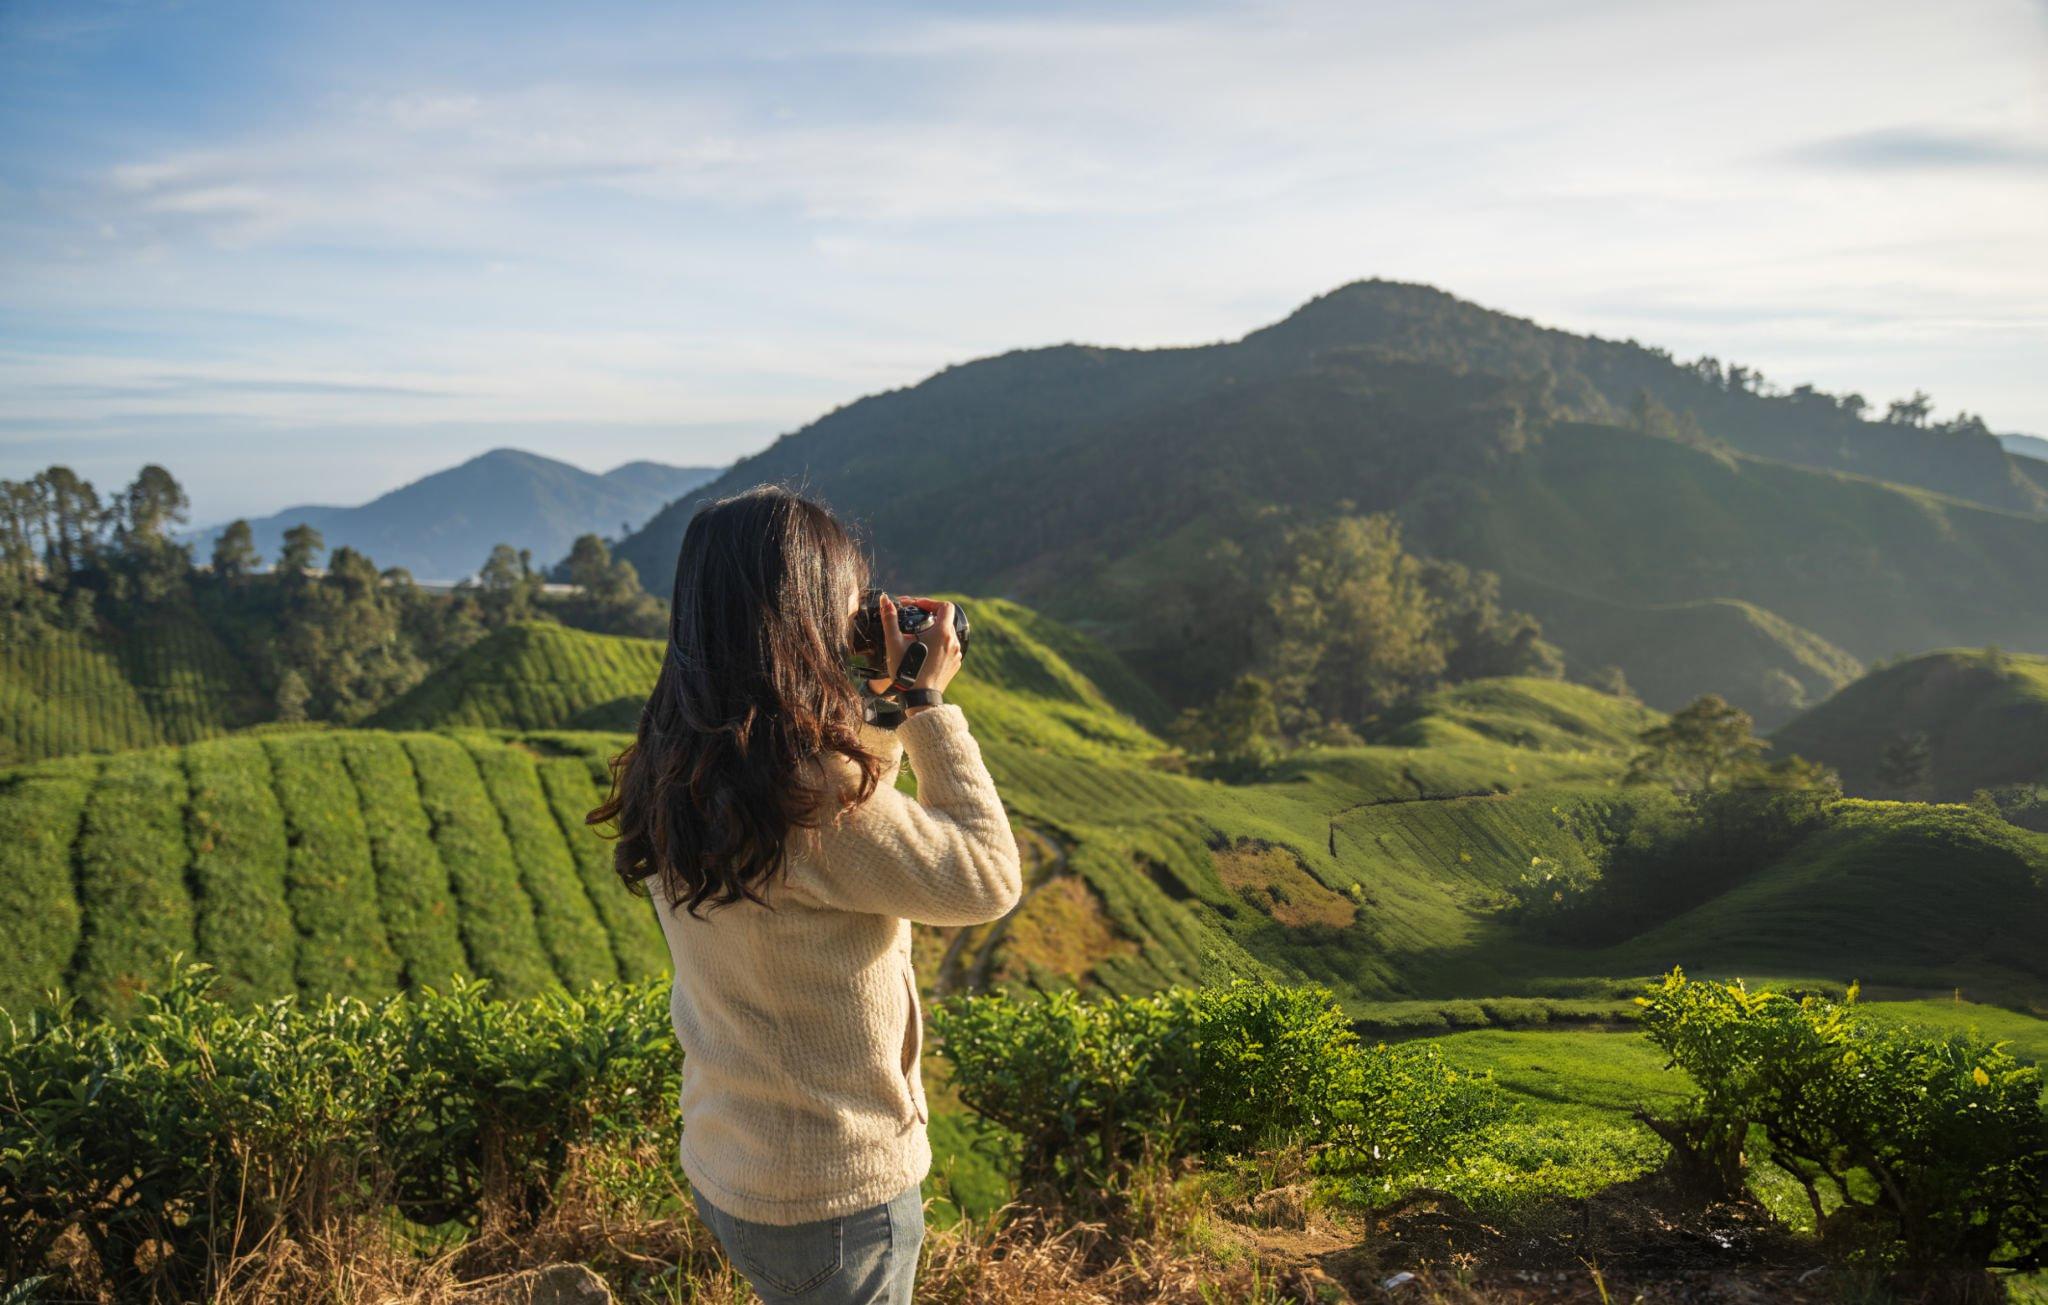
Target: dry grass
(1175, 1234)
(1274, 881)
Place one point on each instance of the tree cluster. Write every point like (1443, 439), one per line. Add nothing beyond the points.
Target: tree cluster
(325, 642)
(1344, 623)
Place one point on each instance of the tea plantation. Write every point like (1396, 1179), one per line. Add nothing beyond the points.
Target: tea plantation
(348, 862)
(369, 861)
(171, 681)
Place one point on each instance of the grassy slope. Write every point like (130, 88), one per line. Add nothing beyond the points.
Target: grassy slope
(1893, 892)
(169, 680)
(1676, 651)
(533, 675)
(1985, 718)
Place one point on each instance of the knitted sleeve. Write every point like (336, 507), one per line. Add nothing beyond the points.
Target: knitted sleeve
(945, 857)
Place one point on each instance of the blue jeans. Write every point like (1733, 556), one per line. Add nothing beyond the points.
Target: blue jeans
(868, 1257)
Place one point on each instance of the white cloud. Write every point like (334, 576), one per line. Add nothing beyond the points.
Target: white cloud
(749, 224)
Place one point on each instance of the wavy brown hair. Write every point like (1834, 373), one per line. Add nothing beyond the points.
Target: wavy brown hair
(754, 690)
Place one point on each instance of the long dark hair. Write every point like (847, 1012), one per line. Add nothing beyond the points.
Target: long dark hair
(753, 691)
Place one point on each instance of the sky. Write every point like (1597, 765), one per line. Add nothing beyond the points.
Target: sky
(306, 253)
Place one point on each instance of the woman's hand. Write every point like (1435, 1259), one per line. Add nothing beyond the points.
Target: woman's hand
(942, 648)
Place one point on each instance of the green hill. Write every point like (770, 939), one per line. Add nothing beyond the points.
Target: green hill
(534, 675)
(1784, 540)
(1896, 893)
(1984, 716)
(1677, 651)
(168, 680)
(366, 860)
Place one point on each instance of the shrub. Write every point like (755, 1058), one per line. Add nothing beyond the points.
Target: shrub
(200, 1128)
(131, 878)
(1923, 1152)
(497, 918)
(328, 876)
(563, 913)
(1087, 1085)
(628, 916)
(419, 908)
(39, 918)
(244, 924)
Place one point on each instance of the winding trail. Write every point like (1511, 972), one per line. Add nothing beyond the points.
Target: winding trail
(1422, 794)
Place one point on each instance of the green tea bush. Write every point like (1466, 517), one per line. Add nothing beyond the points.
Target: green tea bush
(563, 913)
(628, 916)
(132, 855)
(39, 917)
(243, 922)
(1917, 1151)
(419, 908)
(498, 928)
(198, 1129)
(328, 877)
(1087, 1085)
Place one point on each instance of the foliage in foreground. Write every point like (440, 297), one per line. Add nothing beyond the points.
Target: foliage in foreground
(1087, 1087)
(198, 1129)
(1916, 1150)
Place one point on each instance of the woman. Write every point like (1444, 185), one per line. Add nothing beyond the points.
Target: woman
(786, 869)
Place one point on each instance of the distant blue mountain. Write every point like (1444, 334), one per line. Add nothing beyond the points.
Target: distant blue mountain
(443, 526)
(2027, 446)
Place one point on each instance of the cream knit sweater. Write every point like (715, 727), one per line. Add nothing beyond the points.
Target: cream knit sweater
(801, 1026)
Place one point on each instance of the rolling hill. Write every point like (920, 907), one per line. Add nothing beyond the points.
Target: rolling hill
(1708, 645)
(534, 675)
(1786, 540)
(170, 679)
(1984, 716)
(443, 526)
(365, 860)
(349, 861)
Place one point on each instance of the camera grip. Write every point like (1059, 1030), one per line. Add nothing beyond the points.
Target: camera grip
(914, 658)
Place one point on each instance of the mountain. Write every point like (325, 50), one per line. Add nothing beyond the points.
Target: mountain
(2027, 446)
(443, 526)
(1984, 715)
(1100, 484)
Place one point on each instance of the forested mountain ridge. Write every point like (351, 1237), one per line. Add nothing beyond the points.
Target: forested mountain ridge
(440, 526)
(1143, 494)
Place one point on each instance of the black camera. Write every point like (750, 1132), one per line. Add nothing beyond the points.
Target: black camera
(910, 619)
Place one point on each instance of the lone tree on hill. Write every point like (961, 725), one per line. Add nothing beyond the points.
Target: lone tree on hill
(1238, 731)
(1906, 764)
(234, 553)
(303, 546)
(1708, 746)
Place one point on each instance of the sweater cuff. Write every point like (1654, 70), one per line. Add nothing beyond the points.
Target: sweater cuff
(937, 740)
